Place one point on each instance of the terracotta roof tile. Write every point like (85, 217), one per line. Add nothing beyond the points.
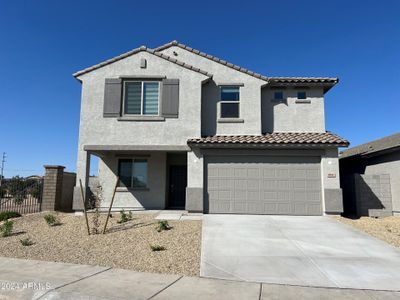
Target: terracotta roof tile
(294, 138)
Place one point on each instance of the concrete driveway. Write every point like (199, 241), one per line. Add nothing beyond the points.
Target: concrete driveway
(306, 251)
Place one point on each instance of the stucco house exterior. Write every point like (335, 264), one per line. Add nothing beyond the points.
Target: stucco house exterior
(184, 129)
(370, 178)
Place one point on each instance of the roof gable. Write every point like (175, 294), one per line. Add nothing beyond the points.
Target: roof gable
(326, 82)
(211, 57)
(135, 51)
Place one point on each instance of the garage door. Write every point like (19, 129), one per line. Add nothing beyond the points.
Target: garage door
(263, 185)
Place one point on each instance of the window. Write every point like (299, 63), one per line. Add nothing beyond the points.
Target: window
(301, 95)
(278, 95)
(141, 97)
(132, 173)
(230, 102)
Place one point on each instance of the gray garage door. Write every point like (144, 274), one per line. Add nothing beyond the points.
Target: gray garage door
(263, 185)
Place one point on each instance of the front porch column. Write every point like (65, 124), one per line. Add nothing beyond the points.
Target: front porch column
(195, 183)
(82, 173)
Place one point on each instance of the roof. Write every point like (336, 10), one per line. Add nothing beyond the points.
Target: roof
(326, 82)
(303, 80)
(330, 81)
(213, 58)
(276, 138)
(137, 50)
(386, 143)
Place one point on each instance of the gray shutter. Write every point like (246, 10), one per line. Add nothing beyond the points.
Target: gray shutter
(112, 97)
(170, 98)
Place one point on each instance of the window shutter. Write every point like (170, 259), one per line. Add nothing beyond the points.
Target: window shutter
(112, 97)
(170, 98)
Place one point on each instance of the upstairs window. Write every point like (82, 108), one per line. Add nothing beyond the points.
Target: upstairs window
(230, 97)
(301, 95)
(132, 173)
(278, 95)
(141, 97)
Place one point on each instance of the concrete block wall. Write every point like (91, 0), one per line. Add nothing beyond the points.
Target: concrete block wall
(57, 189)
(373, 195)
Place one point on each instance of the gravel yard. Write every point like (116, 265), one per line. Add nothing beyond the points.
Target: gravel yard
(124, 246)
(386, 229)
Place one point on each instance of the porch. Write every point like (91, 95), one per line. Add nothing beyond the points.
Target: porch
(150, 178)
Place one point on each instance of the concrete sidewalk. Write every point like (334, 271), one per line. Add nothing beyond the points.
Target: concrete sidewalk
(28, 279)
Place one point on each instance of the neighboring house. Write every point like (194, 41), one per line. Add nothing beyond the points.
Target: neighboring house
(184, 129)
(370, 178)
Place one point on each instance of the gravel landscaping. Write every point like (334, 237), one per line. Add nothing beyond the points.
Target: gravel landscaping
(126, 245)
(386, 229)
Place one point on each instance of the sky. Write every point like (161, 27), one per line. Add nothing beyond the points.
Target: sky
(43, 42)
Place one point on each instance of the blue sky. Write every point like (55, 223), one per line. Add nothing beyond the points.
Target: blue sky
(43, 42)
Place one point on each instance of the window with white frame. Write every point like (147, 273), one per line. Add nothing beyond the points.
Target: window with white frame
(229, 101)
(132, 173)
(141, 97)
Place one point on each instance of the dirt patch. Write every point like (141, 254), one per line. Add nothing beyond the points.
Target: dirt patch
(125, 246)
(386, 229)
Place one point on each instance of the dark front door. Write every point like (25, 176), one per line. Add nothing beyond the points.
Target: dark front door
(177, 186)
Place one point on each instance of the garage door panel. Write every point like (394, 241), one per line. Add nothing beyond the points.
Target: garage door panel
(253, 184)
(225, 184)
(240, 184)
(299, 184)
(253, 196)
(264, 185)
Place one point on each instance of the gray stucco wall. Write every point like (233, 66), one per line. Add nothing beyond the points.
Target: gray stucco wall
(151, 198)
(332, 196)
(291, 116)
(97, 130)
(250, 95)
(198, 115)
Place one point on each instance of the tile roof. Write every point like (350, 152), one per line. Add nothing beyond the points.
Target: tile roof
(137, 50)
(386, 143)
(289, 80)
(213, 58)
(325, 81)
(281, 138)
(332, 80)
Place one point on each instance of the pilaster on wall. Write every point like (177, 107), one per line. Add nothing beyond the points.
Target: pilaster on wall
(52, 187)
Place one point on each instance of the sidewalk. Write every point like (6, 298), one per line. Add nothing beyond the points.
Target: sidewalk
(29, 279)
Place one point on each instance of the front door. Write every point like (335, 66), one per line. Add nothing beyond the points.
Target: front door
(177, 186)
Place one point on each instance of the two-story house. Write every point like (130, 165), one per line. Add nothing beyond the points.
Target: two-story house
(184, 129)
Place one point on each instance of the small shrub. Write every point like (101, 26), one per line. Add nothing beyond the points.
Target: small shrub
(5, 215)
(6, 228)
(96, 221)
(26, 242)
(51, 220)
(163, 225)
(157, 248)
(124, 217)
